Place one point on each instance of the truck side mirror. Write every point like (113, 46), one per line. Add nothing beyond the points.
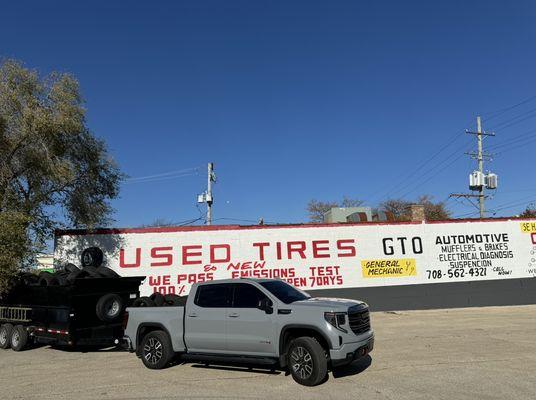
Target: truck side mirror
(265, 305)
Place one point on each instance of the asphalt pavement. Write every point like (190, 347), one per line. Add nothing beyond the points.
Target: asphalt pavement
(473, 353)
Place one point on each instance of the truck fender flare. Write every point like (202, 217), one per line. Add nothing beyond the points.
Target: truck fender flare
(300, 326)
(148, 325)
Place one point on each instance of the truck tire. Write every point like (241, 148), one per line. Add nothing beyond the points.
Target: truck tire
(156, 350)
(108, 273)
(5, 336)
(19, 338)
(143, 302)
(158, 299)
(92, 257)
(109, 307)
(307, 361)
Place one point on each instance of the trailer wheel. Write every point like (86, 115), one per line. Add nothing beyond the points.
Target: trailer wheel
(156, 350)
(5, 336)
(143, 302)
(92, 257)
(19, 338)
(109, 307)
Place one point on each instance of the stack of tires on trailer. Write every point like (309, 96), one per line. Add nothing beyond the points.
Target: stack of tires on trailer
(70, 306)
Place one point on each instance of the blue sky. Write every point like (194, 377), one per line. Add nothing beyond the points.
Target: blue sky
(293, 100)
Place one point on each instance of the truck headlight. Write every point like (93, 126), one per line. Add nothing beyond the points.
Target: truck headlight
(336, 319)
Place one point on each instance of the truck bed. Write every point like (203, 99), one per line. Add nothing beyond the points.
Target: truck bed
(171, 319)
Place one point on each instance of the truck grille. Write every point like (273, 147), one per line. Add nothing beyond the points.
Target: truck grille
(359, 320)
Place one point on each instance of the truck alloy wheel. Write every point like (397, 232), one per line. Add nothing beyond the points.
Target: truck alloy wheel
(302, 362)
(307, 361)
(156, 350)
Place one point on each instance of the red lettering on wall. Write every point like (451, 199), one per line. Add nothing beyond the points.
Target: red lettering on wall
(135, 264)
(187, 254)
(296, 247)
(318, 248)
(156, 253)
(346, 248)
(222, 259)
(261, 247)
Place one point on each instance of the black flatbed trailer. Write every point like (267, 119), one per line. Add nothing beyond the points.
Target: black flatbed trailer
(67, 314)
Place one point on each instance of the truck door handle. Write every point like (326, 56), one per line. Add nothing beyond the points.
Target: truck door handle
(234, 315)
(192, 315)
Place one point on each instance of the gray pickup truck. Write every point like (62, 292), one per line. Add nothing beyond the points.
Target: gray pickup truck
(254, 321)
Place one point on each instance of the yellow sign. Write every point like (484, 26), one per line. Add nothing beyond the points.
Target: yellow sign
(389, 268)
(528, 227)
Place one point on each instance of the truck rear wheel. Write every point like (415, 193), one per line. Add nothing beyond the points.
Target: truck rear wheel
(19, 338)
(5, 336)
(307, 361)
(156, 350)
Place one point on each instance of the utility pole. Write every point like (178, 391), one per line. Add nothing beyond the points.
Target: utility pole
(480, 166)
(478, 180)
(210, 178)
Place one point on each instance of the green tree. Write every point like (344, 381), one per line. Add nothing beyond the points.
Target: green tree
(316, 209)
(53, 171)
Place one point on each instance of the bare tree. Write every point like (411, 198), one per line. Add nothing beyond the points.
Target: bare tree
(317, 209)
(401, 208)
(530, 212)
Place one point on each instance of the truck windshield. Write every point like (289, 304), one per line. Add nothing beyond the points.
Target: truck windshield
(284, 292)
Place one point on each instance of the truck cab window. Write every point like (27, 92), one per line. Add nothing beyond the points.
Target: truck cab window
(247, 296)
(213, 296)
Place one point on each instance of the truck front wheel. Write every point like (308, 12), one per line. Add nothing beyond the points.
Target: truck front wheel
(156, 350)
(307, 361)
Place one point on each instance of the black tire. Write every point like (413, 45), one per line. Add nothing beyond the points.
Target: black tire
(108, 273)
(5, 336)
(307, 361)
(71, 268)
(174, 300)
(156, 350)
(62, 279)
(19, 338)
(143, 302)
(92, 257)
(48, 279)
(30, 279)
(91, 272)
(76, 275)
(110, 307)
(158, 299)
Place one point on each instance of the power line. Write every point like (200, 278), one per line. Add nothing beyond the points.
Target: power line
(400, 183)
(502, 111)
(164, 176)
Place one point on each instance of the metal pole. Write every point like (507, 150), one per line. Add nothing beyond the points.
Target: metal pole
(480, 166)
(209, 193)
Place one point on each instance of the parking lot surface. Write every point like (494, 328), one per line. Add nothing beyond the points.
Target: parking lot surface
(474, 353)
